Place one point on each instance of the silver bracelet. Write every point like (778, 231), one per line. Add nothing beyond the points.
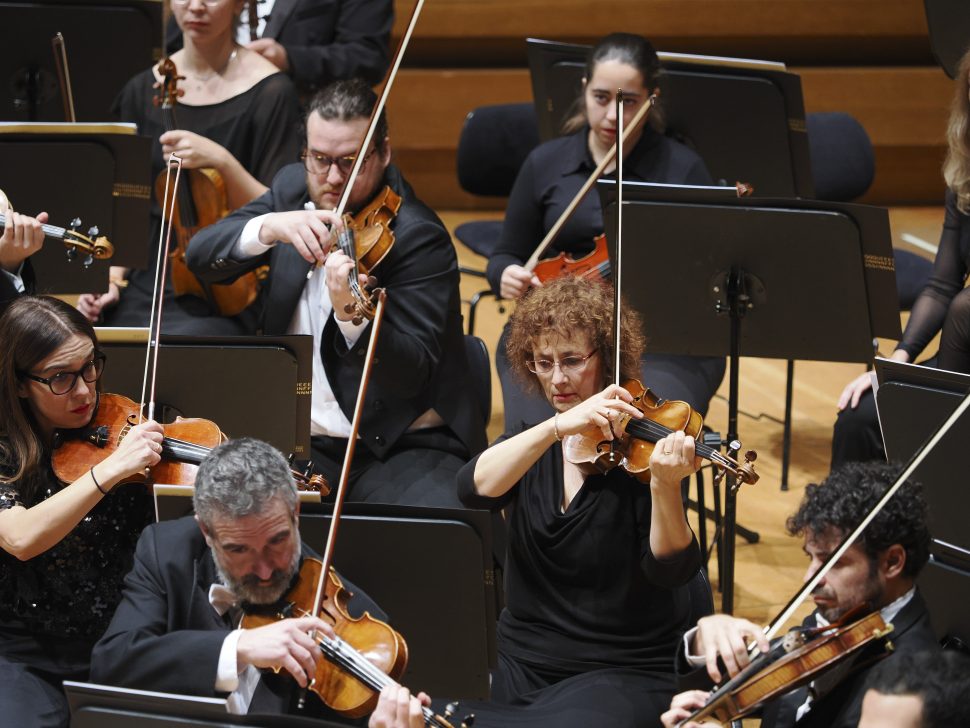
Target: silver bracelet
(555, 427)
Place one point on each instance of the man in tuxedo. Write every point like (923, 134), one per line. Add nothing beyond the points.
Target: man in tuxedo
(317, 41)
(421, 420)
(879, 571)
(193, 578)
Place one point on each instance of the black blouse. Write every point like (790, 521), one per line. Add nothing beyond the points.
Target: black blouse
(950, 270)
(259, 127)
(584, 589)
(554, 172)
(72, 589)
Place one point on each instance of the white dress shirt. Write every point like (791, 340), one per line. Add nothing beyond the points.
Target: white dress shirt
(311, 314)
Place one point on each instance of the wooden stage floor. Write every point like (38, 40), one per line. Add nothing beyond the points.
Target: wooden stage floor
(770, 571)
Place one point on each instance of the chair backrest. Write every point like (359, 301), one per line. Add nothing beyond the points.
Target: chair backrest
(494, 142)
(843, 164)
(480, 368)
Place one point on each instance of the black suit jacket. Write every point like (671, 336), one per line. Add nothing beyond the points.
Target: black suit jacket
(166, 636)
(421, 359)
(327, 40)
(843, 688)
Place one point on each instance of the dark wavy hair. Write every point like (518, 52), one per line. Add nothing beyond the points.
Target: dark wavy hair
(31, 329)
(568, 306)
(632, 50)
(939, 679)
(844, 498)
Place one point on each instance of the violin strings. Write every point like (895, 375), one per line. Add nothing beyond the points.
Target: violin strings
(347, 657)
(648, 429)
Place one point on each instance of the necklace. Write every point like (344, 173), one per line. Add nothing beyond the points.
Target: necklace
(202, 78)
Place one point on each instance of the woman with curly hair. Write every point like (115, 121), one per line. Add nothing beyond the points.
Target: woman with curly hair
(596, 560)
(942, 307)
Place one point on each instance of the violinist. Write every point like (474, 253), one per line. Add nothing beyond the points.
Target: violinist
(942, 307)
(22, 237)
(596, 562)
(879, 570)
(317, 43)
(238, 115)
(421, 421)
(64, 547)
(192, 579)
(553, 174)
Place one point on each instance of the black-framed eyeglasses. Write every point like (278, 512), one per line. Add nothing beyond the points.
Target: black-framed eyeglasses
(63, 382)
(321, 163)
(566, 364)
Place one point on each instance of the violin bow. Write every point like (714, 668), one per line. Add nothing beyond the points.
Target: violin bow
(63, 76)
(338, 504)
(158, 291)
(554, 231)
(376, 114)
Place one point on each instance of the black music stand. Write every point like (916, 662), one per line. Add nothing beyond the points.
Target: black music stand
(766, 145)
(106, 706)
(913, 401)
(786, 279)
(97, 172)
(251, 386)
(431, 569)
(948, 22)
(107, 41)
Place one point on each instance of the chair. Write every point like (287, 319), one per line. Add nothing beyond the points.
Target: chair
(480, 367)
(494, 142)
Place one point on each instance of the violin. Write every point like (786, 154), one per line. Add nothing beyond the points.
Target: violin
(186, 443)
(94, 245)
(595, 264)
(366, 239)
(201, 200)
(634, 439)
(792, 661)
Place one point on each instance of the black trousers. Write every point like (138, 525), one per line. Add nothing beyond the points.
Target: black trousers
(420, 469)
(525, 695)
(31, 672)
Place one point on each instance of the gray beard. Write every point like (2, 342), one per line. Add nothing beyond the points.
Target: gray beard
(252, 593)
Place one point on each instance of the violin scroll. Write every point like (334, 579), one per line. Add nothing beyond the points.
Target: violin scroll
(94, 245)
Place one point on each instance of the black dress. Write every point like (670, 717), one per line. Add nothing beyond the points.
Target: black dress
(55, 606)
(943, 304)
(593, 619)
(261, 129)
(549, 179)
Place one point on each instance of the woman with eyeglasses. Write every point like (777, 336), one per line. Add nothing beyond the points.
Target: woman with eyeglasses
(552, 175)
(64, 547)
(596, 562)
(239, 115)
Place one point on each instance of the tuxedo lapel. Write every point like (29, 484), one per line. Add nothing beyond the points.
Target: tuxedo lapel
(282, 9)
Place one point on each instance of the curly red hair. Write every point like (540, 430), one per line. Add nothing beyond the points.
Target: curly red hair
(564, 307)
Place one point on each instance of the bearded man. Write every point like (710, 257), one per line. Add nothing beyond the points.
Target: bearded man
(176, 628)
